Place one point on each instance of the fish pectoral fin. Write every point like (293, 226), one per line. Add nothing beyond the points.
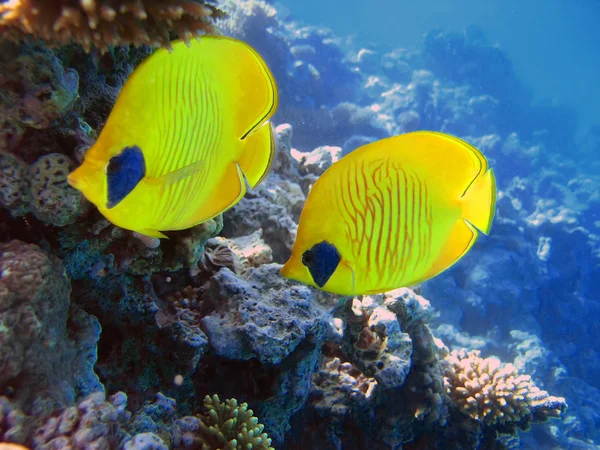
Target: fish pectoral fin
(258, 154)
(177, 174)
(153, 233)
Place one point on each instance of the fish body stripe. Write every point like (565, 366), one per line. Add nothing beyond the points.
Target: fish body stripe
(186, 106)
(388, 218)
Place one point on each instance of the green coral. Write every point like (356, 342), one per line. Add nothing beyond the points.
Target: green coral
(229, 425)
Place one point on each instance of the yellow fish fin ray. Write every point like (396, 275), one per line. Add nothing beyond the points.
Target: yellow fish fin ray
(258, 154)
(227, 194)
(460, 239)
(247, 79)
(177, 174)
(152, 233)
(479, 202)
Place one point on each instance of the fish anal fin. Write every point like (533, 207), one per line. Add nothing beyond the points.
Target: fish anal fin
(227, 194)
(461, 238)
(258, 154)
(178, 174)
(479, 202)
(152, 233)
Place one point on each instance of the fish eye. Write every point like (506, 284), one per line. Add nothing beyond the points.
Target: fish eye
(307, 258)
(113, 166)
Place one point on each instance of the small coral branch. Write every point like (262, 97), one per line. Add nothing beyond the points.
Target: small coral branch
(105, 23)
(225, 425)
(496, 394)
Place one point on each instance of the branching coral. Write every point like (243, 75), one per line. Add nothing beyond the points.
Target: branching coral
(495, 394)
(225, 425)
(104, 23)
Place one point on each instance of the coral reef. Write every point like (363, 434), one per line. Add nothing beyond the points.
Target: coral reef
(496, 394)
(96, 422)
(36, 90)
(52, 199)
(41, 358)
(206, 311)
(102, 24)
(100, 423)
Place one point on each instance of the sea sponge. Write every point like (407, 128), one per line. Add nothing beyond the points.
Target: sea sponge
(225, 425)
(494, 393)
(104, 23)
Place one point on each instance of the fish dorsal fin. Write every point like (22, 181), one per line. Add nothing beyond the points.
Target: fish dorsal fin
(246, 81)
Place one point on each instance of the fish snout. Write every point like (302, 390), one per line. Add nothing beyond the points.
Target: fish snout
(72, 180)
(77, 178)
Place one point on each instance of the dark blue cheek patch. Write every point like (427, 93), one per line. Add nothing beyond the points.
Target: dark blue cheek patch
(124, 172)
(322, 260)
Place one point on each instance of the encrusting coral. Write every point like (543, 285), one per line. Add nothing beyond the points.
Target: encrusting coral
(495, 394)
(104, 23)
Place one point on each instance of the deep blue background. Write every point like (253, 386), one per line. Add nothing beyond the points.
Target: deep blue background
(553, 44)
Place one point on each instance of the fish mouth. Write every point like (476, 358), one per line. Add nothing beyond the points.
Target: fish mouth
(72, 181)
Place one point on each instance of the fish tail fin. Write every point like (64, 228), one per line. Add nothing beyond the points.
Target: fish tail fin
(258, 154)
(479, 202)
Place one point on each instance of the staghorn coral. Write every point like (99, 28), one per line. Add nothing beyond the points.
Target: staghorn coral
(495, 394)
(106, 23)
(225, 425)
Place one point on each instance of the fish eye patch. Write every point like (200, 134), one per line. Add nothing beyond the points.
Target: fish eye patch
(123, 173)
(321, 260)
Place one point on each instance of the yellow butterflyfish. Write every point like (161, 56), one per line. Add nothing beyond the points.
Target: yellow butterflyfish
(393, 213)
(190, 127)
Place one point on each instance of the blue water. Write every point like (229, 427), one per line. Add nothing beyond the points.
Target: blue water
(554, 45)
